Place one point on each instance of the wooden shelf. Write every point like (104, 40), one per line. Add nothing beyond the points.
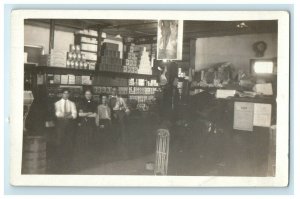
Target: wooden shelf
(145, 86)
(84, 42)
(54, 85)
(135, 94)
(127, 75)
(89, 60)
(63, 71)
(85, 35)
(89, 51)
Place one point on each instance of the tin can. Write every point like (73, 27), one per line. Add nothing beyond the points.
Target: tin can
(72, 64)
(74, 56)
(68, 63)
(72, 48)
(85, 65)
(81, 65)
(77, 48)
(69, 55)
(83, 57)
(76, 64)
(79, 57)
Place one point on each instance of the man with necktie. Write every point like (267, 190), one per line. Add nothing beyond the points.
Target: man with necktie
(119, 109)
(66, 113)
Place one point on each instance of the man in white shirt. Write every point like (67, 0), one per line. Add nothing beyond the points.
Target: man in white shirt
(119, 109)
(66, 113)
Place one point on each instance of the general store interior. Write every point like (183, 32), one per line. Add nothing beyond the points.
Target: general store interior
(219, 128)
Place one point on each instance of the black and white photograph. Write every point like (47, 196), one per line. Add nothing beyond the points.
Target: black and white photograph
(191, 100)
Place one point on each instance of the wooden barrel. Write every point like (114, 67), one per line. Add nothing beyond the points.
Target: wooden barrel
(34, 159)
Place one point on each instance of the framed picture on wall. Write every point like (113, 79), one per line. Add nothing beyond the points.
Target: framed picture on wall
(169, 39)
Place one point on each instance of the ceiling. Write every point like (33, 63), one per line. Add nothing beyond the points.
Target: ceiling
(144, 28)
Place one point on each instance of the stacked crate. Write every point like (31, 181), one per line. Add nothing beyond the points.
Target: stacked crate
(130, 64)
(76, 59)
(110, 58)
(56, 58)
(87, 42)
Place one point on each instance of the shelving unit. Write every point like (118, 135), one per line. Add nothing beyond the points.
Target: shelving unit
(53, 88)
(60, 70)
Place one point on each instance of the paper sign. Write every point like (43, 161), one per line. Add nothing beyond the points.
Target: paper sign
(265, 89)
(64, 79)
(86, 80)
(243, 116)
(71, 79)
(262, 115)
(225, 93)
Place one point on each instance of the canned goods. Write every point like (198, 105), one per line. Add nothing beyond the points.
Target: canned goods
(72, 48)
(76, 64)
(72, 64)
(85, 65)
(81, 65)
(68, 63)
(69, 55)
(79, 56)
(74, 56)
(77, 48)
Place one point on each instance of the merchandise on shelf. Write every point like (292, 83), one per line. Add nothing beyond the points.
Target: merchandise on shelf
(56, 58)
(145, 64)
(142, 82)
(89, 47)
(130, 64)
(87, 32)
(86, 80)
(110, 58)
(88, 40)
(78, 59)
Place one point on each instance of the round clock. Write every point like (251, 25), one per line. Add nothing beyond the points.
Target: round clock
(259, 48)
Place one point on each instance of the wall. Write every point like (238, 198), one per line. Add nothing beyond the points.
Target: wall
(34, 35)
(235, 49)
(40, 35)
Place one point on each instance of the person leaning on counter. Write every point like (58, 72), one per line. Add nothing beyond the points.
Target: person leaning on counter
(66, 113)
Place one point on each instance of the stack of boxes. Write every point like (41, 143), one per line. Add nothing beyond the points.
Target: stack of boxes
(142, 82)
(108, 90)
(78, 59)
(109, 81)
(87, 32)
(110, 58)
(55, 93)
(142, 90)
(56, 58)
(145, 64)
(88, 43)
(130, 64)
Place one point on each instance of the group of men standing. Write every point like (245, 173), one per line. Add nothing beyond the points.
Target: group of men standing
(80, 125)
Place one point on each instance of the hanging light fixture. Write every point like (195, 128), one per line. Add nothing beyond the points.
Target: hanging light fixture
(118, 36)
(242, 25)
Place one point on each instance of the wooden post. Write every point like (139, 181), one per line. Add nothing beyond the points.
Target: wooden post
(51, 40)
(100, 39)
(192, 53)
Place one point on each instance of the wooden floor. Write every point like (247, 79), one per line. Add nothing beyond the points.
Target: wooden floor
(193, 152)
